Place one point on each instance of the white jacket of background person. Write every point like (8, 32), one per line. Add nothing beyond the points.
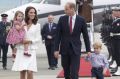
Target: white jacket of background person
(32, 34)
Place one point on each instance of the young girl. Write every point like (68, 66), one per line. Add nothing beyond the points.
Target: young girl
(17, 33)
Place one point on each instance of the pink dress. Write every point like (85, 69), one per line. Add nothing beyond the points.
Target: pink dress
(15, 36)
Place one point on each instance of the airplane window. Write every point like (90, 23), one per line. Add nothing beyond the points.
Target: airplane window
(56, 2)
(36, 1)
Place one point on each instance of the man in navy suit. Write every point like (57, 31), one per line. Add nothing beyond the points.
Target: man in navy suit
(4, 27)
(48, 34)
(70, 27)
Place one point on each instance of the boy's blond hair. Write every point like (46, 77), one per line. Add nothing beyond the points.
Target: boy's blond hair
(97, 45)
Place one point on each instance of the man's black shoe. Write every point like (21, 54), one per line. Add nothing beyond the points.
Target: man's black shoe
(56, 66)
(51, 68)
(4, 68)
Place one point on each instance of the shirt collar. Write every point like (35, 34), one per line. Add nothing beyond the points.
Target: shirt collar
(74, 17)
(51, 23)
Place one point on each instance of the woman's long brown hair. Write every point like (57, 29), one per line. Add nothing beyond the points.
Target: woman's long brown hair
(34, 21)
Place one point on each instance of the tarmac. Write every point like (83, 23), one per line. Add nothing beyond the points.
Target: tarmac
(43, 71)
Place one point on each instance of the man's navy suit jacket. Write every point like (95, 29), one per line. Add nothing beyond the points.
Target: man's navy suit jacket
(65, 38)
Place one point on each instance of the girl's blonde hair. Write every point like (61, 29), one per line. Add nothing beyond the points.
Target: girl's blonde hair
(16, 14)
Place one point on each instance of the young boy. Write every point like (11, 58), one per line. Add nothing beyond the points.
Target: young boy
(98, 61)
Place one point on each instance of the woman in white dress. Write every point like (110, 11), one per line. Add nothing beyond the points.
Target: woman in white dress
(27, 64)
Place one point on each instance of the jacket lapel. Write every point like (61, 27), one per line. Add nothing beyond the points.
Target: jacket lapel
(75, 25)
(67, 23)
(48, 27)
(52, 26)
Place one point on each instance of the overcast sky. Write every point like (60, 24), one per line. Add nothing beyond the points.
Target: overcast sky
(8, 4)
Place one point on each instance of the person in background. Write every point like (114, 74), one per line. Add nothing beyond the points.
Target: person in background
(98, 61)
(49, 34)
(4, 28)
(115, 34)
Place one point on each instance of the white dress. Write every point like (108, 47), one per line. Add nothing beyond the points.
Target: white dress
(23, 62)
